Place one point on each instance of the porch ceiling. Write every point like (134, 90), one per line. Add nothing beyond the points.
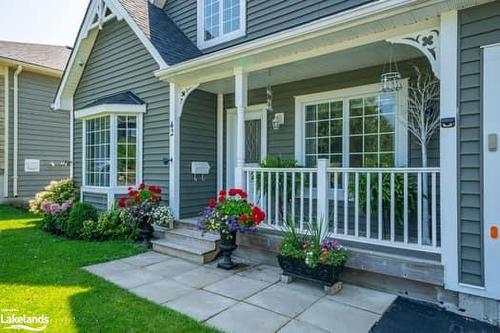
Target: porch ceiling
(356, 58)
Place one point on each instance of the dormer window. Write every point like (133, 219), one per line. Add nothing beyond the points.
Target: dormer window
(220, 21)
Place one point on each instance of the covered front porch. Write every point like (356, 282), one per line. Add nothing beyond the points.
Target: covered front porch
(314, 139)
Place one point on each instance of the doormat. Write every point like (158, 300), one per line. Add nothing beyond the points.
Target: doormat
(410, 316)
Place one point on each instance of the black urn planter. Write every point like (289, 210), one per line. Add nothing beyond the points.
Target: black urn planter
(325, 274)
(227, 245)
(146, 230)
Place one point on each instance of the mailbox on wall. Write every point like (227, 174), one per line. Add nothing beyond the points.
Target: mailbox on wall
(200, 169)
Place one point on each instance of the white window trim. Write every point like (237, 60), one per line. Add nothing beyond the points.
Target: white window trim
(401, 131)
(102, 109)
(202, 44)
(113, 188)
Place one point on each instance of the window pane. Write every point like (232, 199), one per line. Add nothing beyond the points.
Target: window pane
(387, 123)
(336, 110)
(371, 124)
(356, 144)
(323, 146)
(253, 141)
(356, 126)
(310, 112)
(211, 19)
(97, 133)
(336, 127)
(310, 130)
(336, 145)
(323, 111)
(231, 15)
(323, 128)
(126, 150)
(356, 107)
(387, 142)
(311, 146)
(371, 143)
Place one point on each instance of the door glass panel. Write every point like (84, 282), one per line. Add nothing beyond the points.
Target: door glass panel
(253, 141)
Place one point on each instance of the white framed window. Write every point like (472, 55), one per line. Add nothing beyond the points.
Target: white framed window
(220, 21)
(354, 127)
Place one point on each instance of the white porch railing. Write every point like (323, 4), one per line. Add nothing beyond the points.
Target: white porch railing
(396, 207)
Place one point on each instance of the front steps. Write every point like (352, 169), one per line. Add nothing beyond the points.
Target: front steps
(186, 242)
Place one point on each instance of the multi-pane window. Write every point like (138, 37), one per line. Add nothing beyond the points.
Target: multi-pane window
(221, 20)
(127, 150)
(352, 132)
(111, 151)
(372, 123)
(97, 151)
(324, 132)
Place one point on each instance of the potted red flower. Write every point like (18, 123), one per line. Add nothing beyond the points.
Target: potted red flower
(140, 203)
(228, 214)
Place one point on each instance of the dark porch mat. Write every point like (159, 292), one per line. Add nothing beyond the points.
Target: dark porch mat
(410, 316)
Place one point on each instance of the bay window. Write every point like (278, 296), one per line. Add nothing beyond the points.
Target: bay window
(220, 21)
(111, 156)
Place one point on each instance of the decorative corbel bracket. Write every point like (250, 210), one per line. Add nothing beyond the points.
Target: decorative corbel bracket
(182, 96)
(427, 41)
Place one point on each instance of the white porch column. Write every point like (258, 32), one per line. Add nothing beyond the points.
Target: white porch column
(241, 101)
(174, 147)
(448, 149)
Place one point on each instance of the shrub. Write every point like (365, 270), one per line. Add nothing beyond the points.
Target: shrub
(56, 192)
(112, 224)
(80, 212)
(55, 215)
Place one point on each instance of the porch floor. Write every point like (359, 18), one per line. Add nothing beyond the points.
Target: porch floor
(248, 299)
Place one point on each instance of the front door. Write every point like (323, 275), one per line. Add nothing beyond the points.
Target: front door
(255, 139)
(491, 176)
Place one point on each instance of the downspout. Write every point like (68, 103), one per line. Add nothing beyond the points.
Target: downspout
(16, 129)
(6, 134)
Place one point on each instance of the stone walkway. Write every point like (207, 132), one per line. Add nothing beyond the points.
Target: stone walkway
(250, 299)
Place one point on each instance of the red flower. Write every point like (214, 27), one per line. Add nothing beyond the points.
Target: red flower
(142, 186)
(212, 203)
(222, 192)
(132, 193)
(243, 194)
(122, 202)
(243, 218)
(233, 192)
(138, 199)
(258, 215)
(222, 199)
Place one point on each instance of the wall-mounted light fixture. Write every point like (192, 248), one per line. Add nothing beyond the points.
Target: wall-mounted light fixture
(278, 120)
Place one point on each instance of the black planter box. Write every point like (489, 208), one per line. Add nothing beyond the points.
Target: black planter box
(324, 274)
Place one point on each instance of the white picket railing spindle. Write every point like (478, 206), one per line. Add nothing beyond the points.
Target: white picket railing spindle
(381, 206)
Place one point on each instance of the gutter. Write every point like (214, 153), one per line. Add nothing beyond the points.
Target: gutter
(343, 20)
(6, 134)
(16, 130)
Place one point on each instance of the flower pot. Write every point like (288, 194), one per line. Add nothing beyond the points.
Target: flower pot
(227, 245)
(147, 234)
(324, 274)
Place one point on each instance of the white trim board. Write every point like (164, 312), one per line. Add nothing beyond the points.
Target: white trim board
(401, 130)
(257, 111)
(109, 109)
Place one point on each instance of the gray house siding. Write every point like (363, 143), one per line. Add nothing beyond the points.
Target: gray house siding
(119, 62)
(478, 26)
(2, 125)
(198, 143)
(264, 17)
(43, 133)
(98, 200)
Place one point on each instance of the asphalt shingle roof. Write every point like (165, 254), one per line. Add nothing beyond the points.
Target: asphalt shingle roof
(49, 56)
(126, 97)
(166, 37)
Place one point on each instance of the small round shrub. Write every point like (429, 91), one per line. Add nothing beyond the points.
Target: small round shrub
(112, 224)
(80, 213)
(55, 192)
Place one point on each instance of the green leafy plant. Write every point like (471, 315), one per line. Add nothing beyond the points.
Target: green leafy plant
(386, 194)
(112, 224)
(79, 213)
(312, 247)
(55, 192)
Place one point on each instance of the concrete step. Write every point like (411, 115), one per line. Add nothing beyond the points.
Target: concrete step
(190, 236)
(188, 223)
(196, 252)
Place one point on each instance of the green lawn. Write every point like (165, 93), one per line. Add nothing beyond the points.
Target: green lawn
(41, 275)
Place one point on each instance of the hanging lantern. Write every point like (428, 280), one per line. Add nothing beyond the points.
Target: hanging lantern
(390, 80)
